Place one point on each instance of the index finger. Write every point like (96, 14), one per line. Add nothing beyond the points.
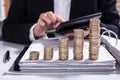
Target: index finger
(59, 19)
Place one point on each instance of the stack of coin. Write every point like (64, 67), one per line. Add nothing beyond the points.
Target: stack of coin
(63, 49)
(34, 55)
(78, 44)
(94, 39)
(48, 53)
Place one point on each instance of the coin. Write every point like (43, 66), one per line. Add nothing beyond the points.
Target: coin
(48, 53)
(34, 55)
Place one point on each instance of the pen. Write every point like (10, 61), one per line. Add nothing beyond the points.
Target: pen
(6, 57)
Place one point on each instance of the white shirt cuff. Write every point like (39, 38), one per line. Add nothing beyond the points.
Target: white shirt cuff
(31, 36)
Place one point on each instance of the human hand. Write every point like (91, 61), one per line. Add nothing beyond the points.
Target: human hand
(46, 21)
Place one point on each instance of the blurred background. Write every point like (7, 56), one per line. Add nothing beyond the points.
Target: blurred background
(4, 8)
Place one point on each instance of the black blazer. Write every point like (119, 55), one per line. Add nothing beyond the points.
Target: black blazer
(24, 13)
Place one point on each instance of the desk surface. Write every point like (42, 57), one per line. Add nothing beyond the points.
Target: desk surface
(15, 49)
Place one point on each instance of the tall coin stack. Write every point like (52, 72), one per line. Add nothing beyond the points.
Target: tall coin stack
(94, 39)
(78, 44)
(63, 49)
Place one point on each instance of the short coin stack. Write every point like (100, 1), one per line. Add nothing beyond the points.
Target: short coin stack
(94, 39)
(48, 53)
(78, 44)
(34, 55)
(63, 49)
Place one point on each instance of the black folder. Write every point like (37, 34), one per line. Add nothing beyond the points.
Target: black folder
(112, 49)
(81, 22)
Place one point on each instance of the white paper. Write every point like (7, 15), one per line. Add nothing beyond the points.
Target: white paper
(104, 55)
(104, 62)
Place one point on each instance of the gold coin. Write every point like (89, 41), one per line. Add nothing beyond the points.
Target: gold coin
(48, 53)
(34, 55)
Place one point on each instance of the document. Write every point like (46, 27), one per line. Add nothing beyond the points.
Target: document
(105, 61)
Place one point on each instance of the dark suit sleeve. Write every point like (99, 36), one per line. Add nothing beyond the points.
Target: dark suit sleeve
(16, 26)
(110, 18)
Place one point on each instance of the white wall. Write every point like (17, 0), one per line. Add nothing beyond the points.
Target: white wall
(2, 10)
